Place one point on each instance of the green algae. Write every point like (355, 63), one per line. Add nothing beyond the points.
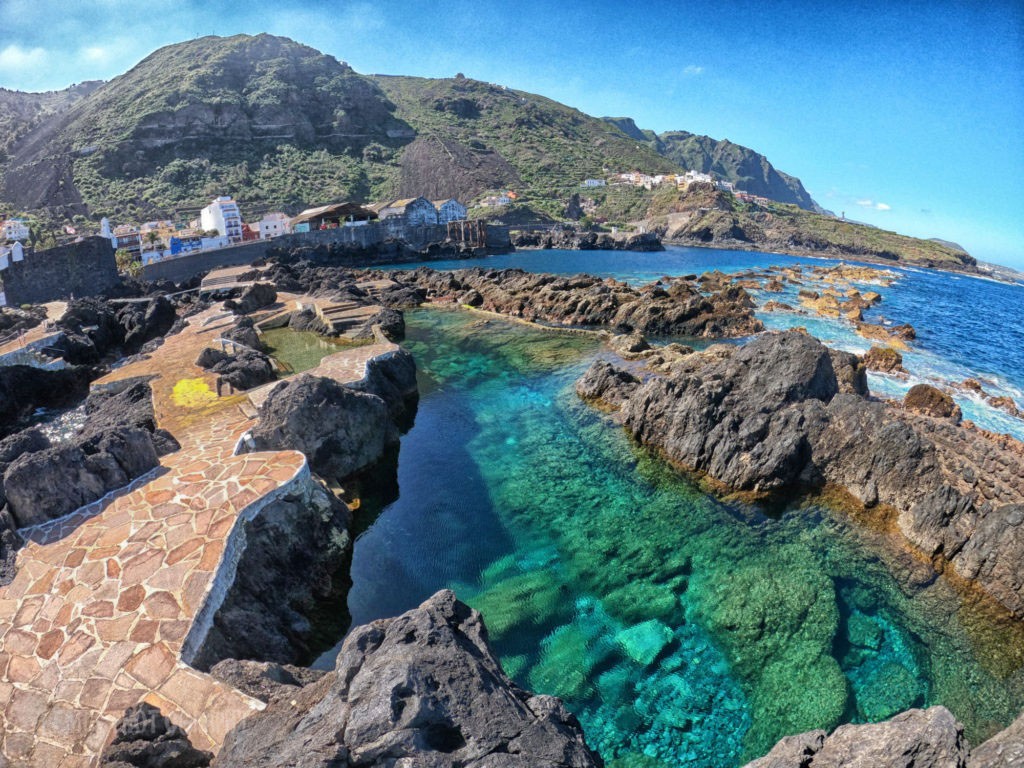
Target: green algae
(302, 350)
(777, 625)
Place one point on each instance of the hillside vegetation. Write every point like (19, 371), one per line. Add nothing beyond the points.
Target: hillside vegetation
(282, 126)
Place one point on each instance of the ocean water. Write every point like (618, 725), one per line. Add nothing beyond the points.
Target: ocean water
(966, 327)
(682, 631)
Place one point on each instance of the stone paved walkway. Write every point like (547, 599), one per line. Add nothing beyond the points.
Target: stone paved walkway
(95, 619)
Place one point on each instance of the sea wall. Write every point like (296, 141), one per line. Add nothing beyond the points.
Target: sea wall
(85, 268)
(362, 238)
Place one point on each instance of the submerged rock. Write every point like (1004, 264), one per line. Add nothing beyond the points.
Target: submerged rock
(420, 689)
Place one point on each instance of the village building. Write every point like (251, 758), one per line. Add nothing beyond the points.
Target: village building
(15, 230)
(450, 210)
(274, 225)
(693, 177)
(417, 211)
(495, 201)
(12, 253)
(127, 238)
(593, 183)
(223, 215)
(332, 216)
(725, 186)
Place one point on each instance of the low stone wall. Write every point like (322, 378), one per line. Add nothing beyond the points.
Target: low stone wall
(182, 268)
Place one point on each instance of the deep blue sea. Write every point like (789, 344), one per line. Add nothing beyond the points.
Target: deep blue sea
(681, 630)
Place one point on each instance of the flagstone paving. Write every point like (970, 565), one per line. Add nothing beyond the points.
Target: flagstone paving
(103, 599)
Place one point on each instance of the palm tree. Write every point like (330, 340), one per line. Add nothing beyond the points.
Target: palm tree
(152, 238)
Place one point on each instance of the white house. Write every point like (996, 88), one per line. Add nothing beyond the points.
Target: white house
(495, 201)
(222, 215)
(725, 186)
(593, 183)
(450, 210)
(274, 225)
(418, 211)
(696, 176)
(15, 229)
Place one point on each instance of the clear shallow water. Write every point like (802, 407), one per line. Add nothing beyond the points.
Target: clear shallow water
(680, 630)
(966, 327)
(302, 350)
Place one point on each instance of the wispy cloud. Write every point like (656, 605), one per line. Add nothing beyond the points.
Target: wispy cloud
(693, 69)
(866, 203)
(15, 59)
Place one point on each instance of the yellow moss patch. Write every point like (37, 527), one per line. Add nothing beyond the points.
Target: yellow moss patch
(193, 393)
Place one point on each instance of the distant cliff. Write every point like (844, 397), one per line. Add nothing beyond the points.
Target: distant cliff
(750, 171)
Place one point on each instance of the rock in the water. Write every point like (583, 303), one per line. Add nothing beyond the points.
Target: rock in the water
(144, 738)
(785, 414)
(930, 738)
(643, 642)
(24, 388)
(884, 360)
(296, 553)
(929, 401)
(422, 689)
(340, 431)
(629, 345)
(390, 321)
(392, 378)
(606, 384)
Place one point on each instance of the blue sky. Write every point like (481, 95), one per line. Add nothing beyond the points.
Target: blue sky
(907, 115)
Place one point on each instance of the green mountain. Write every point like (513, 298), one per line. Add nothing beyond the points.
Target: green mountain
(282, 126)
(750, 171)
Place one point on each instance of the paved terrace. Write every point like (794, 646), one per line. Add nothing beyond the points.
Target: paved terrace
(95, 619)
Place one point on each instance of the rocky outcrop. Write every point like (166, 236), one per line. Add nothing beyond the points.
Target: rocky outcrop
(253, 297)
(144, 738)
(294, 562)
(50, 483)
(340, 431)
(884, 360)
(675, 308)
(1004, 750)
(23, 389)
(118, 442)
(420, 689)
(265, 680)
(929, 401)
(245, 369)
(92, 329)
(930, 738)
(784, 414)
(392, 378)
(126, 403)
(575, 240)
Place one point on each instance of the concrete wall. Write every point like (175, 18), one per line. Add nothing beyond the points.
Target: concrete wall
(87, 268)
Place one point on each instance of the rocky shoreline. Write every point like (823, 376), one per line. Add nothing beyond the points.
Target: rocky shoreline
(784, 415)
(781, 416)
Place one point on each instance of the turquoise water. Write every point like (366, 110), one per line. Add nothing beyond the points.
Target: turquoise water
(966, 327)
(681, 630)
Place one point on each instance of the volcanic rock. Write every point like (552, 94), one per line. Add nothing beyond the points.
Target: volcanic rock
(420, 689)
(785, 414)
(50, 483)
(144, 738)
(926, 399)
(884, 360)
(930, 738)
(338, 429)
(264, 680)
(255, 296)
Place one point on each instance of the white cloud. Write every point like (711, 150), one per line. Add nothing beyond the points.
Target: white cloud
(95, 54)
(693, 69)
(866, 203)
(14, 58)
